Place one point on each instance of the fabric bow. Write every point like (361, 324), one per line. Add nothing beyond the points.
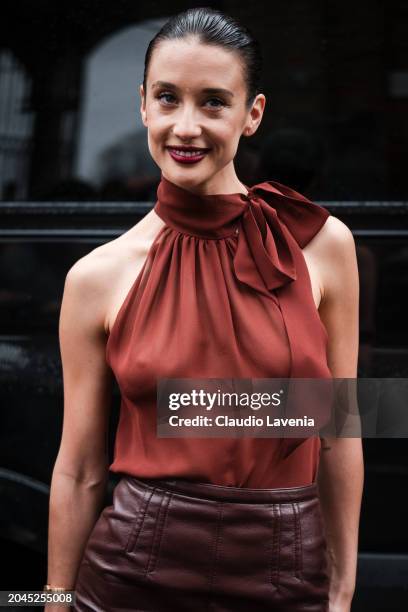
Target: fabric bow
(275, 221)
(272, 227)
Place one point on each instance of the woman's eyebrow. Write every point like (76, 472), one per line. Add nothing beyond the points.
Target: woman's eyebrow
(210, 90)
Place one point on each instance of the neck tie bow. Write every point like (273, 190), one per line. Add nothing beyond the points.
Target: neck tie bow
(274, 221)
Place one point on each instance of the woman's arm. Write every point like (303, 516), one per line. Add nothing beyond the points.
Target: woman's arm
(341, 471)
(81, 468)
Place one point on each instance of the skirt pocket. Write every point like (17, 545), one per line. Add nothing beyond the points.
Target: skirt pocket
(143, 543)
(138, 520)
(314, 545)
(298, 561)
(286, 562)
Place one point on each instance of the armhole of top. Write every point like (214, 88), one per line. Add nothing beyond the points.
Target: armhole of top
(310, 237)
(139, 282)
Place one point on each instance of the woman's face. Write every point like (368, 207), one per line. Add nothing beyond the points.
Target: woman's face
(178, 111)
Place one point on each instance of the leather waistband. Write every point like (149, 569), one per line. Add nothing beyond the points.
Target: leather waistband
(226, 493)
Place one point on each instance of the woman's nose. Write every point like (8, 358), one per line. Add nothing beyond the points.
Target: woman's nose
(186, 124)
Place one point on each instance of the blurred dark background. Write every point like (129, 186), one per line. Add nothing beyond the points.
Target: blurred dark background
(75, 171)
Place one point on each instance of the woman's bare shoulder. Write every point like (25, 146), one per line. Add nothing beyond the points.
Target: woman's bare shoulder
(94, 272)
(333, 251)
(327, 252)
(336, 232)
(97, 275)
(97, 267)
(331, 241)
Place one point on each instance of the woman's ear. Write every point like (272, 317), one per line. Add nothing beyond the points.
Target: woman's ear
(256, 114)
(143, 105)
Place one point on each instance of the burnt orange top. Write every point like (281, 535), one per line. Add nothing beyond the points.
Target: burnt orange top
(224, 292)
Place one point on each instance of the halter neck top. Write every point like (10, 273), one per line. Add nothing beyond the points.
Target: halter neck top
(224, 292)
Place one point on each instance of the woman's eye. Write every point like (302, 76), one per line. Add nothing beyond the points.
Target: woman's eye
(221, 103)
(163, 97)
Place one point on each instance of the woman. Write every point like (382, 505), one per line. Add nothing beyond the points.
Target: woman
(218, 280)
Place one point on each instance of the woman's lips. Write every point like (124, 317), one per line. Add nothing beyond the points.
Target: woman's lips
(188, 157)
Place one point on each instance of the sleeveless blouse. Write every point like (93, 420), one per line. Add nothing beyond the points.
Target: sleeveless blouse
(224, 292)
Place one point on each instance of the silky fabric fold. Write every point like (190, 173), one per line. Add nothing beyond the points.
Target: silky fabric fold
(264, 257)
(224, 292)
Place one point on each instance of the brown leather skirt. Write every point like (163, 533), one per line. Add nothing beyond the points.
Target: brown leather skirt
(175, 546)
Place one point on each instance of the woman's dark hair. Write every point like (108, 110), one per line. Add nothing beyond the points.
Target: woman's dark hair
(212, 27)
